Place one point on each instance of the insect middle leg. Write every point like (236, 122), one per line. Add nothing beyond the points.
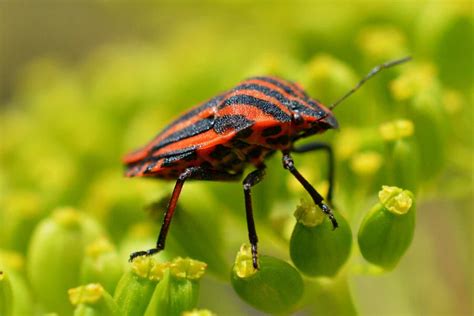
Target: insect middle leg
(189, 173)
(327, 148)
(252, 179)
(289, 164)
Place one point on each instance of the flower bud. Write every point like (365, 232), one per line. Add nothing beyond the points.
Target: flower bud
(275, 288)
(22, 211)
(136, 286)
(326, 76)
(382, 43)
(116, 204)
(6, 299)
(387, 230)
(92, 299)
(55, 255)
(403, 160)
(12, 264)
(101, 264)
(316, 248)
(178, 291)
(420, 87)
(366, 164)
(360, 156)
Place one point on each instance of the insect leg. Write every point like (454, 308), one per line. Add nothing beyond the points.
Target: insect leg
(252, 179)
(289, 164)
(328, 149)
(160, 244)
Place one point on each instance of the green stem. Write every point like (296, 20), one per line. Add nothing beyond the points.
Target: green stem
(329, 296)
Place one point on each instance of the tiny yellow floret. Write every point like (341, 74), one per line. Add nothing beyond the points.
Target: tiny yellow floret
(396, 200)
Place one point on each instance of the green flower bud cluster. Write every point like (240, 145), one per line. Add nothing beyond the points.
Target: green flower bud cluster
(135, 288)
(101, 264)
(152, 288)
(316, 248)
(72, 246)
(92, 299)
(387, 230)
(64, 127)
(276, 287)
(178, 290)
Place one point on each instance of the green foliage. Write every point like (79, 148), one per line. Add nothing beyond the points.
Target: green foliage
(65, 127)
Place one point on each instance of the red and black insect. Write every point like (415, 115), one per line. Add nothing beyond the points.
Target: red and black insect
(218, 139)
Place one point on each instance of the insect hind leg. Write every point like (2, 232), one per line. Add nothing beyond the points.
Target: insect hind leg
(189, 173)
(160, 244)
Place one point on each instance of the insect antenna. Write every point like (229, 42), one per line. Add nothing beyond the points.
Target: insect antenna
(372, 73)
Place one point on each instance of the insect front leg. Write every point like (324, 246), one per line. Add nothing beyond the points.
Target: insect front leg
(328, 149)
(160, 244)
(289, 164)
(252, 179)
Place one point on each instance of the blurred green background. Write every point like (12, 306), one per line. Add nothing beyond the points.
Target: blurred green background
(82, 83)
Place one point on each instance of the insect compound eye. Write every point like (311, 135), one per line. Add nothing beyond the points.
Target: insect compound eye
(297, 118)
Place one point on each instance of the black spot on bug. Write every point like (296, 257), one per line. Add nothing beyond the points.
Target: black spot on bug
(245, 133)
(281, 140)
(271, 131)
(220, 152)
(237, 143)
(271, 141)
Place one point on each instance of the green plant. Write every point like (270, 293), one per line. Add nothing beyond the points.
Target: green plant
(69, 220)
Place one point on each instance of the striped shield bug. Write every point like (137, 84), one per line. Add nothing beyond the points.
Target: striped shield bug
(219, 138)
